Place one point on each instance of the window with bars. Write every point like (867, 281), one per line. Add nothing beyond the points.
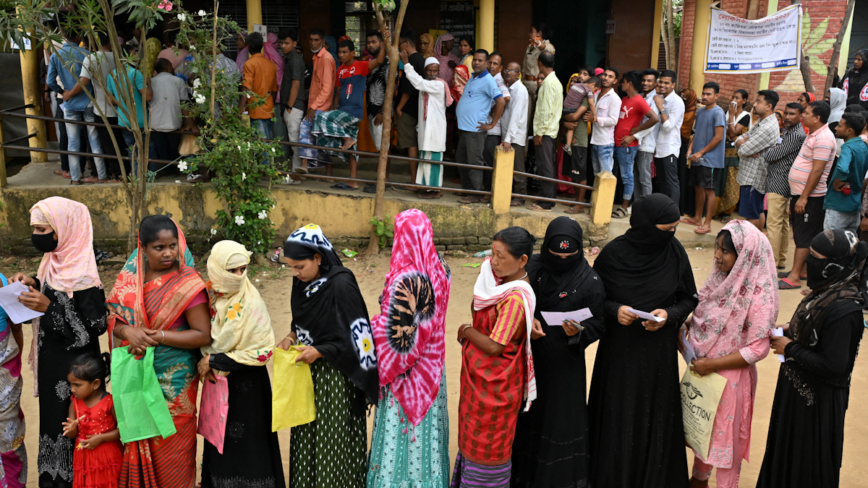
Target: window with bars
(276, 14)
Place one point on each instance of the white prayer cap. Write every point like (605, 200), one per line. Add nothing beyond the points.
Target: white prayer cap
(431, 60)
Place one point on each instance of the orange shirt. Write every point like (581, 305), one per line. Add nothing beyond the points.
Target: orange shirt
(322, 83)
(260, 77)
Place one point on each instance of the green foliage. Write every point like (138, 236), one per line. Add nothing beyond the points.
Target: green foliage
(382, 229)
(231, 148)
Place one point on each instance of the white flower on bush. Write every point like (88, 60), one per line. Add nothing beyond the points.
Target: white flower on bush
(243, 176)
(202, 13)
(198, 81)
(193, 47)
(273, 150)
(200, 98)
(239, 148)
(182, 166)
(287, 180)
(263, 215)
(182, 17)
(213, 232)
(239, 220)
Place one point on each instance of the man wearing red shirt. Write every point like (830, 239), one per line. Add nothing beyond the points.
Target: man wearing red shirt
(633, 109)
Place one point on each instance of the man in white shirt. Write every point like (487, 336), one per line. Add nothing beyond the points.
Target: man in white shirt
(608, 111)
(166, 114)
(647, 138)
(671, 108)
(492, 139)
(431, 124)
(514, 127)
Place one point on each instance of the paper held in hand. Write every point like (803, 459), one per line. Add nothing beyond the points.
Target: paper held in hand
(645, 315)
(556, 319)
(689, 354)
(16, 311)
(779, 332)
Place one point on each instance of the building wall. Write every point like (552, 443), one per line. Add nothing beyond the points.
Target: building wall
(788, 84)
(629, 47)
(514, 19)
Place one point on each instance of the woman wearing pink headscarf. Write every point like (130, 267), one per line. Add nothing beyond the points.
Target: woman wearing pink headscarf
(729, 331)
(443, 53)
(67, 289)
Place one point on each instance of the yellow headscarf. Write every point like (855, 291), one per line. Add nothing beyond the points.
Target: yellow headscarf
(240, 325)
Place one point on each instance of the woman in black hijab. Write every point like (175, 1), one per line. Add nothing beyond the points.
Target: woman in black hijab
(855, 80)
(551, 445)
(637, 433)
(330, 320)
(806, 430)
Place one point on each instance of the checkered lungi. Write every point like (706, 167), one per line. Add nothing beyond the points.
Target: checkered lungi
(331, 127)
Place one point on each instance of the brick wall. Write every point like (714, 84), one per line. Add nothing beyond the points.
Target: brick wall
(788, 84)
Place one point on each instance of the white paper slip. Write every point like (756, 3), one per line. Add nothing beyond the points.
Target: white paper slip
(16, 311)
(779, 332)
(644, 315)
(556, 319)
(689, 354)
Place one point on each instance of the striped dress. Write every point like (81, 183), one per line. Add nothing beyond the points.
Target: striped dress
(492, 390)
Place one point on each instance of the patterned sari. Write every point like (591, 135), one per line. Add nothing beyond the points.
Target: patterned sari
(158, 305)
(13, 455)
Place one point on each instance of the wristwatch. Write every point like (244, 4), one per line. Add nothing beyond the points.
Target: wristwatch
(663, 112)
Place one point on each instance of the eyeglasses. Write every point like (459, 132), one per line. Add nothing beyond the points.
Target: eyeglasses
(510, 71)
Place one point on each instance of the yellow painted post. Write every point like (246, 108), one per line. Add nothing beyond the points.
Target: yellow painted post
(655, 33)
(486, 25)
(701, 23)
(254, 13)
(501, 180)
(603, 198)
(31, 82)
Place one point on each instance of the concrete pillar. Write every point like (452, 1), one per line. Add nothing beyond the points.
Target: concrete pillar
(486, 25)
(254, 13)
(701, 22)
(655, 33)
(501, 180)
(603, 198)
(32, 83)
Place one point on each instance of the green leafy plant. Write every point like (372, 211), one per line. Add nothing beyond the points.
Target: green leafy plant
(231, 148)
(382, 230)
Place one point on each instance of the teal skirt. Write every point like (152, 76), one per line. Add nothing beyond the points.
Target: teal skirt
(404, 457)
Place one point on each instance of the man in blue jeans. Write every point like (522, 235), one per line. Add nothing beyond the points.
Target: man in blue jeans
(603, 134)
(66, 64)
(633, 109)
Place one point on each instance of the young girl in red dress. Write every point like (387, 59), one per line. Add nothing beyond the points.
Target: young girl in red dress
(92, 423)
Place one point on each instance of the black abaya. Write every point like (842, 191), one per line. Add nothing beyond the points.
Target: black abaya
(551, 440)
(637, 433)
(806, 431)
(251, 452)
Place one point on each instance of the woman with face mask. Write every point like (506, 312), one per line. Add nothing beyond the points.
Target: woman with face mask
(67, 289)
(330, 321)
(549, 451)
(635, 398)
(729, 331)
(806, 430)
(159, 301)
(242, 343)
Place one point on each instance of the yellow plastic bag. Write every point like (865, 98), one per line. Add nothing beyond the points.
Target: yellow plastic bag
(292, 396)
(700, 397)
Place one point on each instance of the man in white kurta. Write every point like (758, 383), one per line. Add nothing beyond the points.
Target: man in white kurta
(431, 127)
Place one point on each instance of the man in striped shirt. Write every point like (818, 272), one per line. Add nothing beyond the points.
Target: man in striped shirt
(808, 187)
(780, 159)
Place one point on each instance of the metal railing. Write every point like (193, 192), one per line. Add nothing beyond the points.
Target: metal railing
(555, 181)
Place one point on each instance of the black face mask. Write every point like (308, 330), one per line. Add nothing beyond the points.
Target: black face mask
(44, 242)
(816, 268)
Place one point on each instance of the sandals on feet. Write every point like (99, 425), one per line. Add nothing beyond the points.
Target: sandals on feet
(537, 208)
(619, 213)
(786, 284)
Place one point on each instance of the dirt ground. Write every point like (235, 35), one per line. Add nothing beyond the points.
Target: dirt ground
(275, 284)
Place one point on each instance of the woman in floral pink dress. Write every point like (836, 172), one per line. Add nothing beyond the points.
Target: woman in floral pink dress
(730, 329)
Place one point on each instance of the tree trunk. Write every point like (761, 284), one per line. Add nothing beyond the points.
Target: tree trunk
(670, 28)
(665, 34)
(374, 244)
(836, 48)
(804, 66)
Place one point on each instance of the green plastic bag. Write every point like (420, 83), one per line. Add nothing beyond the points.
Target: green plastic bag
(140, 407)
(292, 400)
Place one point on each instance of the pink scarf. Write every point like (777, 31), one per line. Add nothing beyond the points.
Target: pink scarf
(445, 70)
(738, 308)
(490, 291)
(409, 331)
(448, 95)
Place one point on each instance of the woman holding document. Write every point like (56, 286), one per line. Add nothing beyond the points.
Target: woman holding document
(549, 451)
(67, 289)
(637, 437)
(729, 332)
(806, 430)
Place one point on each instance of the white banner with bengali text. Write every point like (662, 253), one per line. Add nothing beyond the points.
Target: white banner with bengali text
(737, 45)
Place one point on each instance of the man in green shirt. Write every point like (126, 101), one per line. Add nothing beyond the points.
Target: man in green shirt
(546, 122)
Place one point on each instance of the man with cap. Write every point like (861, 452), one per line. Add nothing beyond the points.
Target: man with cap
(431, 129)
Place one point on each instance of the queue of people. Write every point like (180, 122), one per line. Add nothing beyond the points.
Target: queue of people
(523, 420)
